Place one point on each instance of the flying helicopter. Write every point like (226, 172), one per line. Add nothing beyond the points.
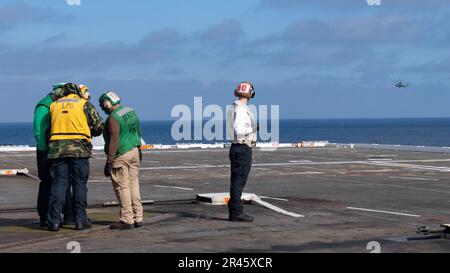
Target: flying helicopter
(401, 84)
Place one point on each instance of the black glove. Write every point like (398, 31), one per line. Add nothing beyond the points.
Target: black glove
(140, 155)
(107, 170)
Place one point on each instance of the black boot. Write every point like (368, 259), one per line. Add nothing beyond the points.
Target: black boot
(43, 224)
(241, 218)
(121, 225)
(53, 227)
(83, 225)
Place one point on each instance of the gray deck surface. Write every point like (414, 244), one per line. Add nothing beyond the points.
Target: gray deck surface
(323, 184)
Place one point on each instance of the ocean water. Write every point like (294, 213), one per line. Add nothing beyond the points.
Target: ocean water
(405, 131)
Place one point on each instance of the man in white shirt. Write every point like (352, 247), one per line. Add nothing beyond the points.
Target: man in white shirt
(242, 126)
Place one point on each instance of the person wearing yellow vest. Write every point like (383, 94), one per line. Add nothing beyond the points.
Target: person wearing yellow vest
(122, 134)
(74, 121)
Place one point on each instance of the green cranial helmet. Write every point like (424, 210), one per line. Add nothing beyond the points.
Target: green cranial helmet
(58, 85)
(108, 100)
(112, 97)
(58, 90)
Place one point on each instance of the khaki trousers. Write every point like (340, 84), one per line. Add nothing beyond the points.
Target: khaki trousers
(125, 180)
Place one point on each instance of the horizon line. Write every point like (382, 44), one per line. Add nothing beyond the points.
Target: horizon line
(346, 118)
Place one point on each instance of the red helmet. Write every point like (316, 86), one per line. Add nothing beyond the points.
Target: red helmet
(245, 89)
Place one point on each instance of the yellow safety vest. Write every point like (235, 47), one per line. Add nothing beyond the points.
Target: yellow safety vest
(69, 120)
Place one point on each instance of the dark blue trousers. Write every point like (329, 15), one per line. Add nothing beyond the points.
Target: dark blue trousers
(65, 172)
(241, 162)
(43, 166)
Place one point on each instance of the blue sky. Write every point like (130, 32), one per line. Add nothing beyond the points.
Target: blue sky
(316, 59)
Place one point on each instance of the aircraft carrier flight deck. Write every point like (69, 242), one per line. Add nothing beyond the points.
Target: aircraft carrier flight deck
(349, 199)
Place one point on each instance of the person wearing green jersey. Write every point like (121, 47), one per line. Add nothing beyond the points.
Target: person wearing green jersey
(41, 126)
(122, 136)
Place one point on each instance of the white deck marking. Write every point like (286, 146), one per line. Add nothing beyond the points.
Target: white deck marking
(414, 178)
(193, 164)
(220, 175)
(170, 187)
(392, 185)
(143, 161)
(258, 200)
(370, 171)
(197, 150)
(383, 211)
(18, 155)
(33, 176)
(411, 166)
(183, 167)
(300, 161)
(295, 173)
(396, 163)
(99, 180)
(274, 198)
(423, 160)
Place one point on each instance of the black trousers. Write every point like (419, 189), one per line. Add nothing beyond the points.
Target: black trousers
(241, 162)
(43, 166)
(66, 172)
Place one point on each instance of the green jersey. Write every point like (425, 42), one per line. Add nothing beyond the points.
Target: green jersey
(130, 130)
(41, 123)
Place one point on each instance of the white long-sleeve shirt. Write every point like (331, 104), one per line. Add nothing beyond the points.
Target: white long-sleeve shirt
(243, 123)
